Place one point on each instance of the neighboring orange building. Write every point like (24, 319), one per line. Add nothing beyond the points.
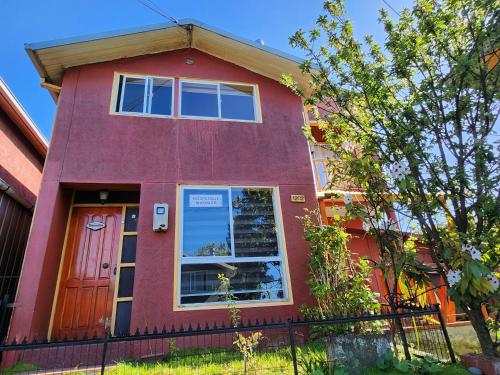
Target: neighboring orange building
(331, 202)
(22, 154)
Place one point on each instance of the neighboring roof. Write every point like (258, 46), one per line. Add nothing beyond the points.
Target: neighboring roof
(53, 57)
(19, 116)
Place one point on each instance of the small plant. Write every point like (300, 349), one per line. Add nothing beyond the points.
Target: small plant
(426, 365)
(173, 350)
(245, 344)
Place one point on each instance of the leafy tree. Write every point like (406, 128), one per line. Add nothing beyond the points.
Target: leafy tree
(412, 123)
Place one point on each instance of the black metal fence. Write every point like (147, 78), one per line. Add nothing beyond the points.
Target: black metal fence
(275, 347)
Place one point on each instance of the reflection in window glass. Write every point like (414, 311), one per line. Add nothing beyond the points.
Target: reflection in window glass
(249, 281)
(126, 284)
(253, 222)
(131, 219)
(128, 249)
(161, 96)
(123, 314)
(199, 99)
(237, 102)
(323, 180)
(133, 95)
(146, 95)
(239, 224)
(206, 229)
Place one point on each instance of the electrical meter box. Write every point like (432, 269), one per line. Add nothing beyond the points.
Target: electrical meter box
(160, 217)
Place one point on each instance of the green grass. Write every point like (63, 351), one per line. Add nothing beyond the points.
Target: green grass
(211, 362)
(204, 362)
(22, 367)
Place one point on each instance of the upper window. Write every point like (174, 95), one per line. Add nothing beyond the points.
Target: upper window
(218, 100)
(144, 95)
(231, 231)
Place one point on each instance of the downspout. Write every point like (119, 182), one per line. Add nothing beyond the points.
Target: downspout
(11, 192)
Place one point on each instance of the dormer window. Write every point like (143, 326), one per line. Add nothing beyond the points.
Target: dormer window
(144, 95)
(218, 100)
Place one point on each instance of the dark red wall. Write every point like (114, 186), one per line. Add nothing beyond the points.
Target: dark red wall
(91, 146)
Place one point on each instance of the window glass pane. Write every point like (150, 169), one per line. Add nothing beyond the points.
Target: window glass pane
(161, 98)
(237, 102)
(199, 99)
(253, 222)
(133, 95)
(123, 313)
(323, 181)
(248, 281)
(131, 218)
(128, 249)
(206, 223)
(126, 286)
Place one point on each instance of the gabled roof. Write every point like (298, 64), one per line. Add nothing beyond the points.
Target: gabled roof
(13, 108)
(53, 57)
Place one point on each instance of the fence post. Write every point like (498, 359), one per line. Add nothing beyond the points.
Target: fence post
(445, 333)
(404, 341)
(292, 347)
(104, 350)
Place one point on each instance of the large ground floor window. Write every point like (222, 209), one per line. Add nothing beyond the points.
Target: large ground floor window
(235, 231)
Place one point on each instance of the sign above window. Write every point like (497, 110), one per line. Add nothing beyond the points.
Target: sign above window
(205, 200)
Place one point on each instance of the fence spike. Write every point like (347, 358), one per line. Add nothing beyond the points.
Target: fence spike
(34, 341)
(25, 340)
(206, 325)
(182, 328)
(298, 318)
(75, 337)
(95, 335)
(257, 322)
(137, 332)
(65, 338)
(146, 332)
(164, 329)
(190, 328)
(265, 321)
(215, 325)
(85, 336)
(198, 328)
(249, 323)
(14, 342)
(172, 330)
(279, 320)
(223, 325)
(155, 330)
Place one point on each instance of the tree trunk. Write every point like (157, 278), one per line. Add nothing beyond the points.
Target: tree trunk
(476, 317)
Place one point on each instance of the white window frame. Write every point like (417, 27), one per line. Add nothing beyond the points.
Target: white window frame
(232, 259)
(148, 93)
(256, 104)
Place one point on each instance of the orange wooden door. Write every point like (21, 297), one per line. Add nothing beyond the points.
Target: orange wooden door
(86, 287)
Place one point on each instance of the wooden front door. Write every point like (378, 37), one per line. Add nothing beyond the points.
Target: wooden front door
(86, 287)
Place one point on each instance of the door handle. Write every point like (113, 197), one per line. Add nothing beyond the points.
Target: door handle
(105, 265)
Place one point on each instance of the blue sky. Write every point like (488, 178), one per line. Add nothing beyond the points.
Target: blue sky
(40, 20)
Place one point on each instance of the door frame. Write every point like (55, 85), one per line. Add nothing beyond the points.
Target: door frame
(118, 262)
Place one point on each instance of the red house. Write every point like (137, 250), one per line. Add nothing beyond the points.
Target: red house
(22, 153)
(176, 156)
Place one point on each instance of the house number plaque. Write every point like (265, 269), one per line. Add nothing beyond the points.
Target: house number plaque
(96, 225)
(296, 198)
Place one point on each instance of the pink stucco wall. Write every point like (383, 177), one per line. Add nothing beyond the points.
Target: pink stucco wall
(91, 146)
